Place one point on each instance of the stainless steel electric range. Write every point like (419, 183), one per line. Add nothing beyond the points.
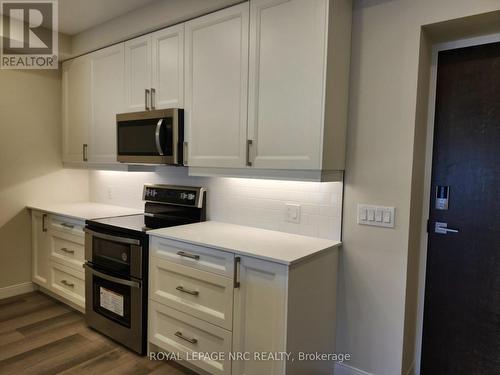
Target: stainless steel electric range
(116, 254)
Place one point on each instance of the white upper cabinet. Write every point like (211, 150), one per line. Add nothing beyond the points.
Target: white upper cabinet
(107, 72)
(93, 93)
(298, 78)
(216, 78)
(287, 82)
(154, 70)
(76, 109)
(168, 68)
(138, 73)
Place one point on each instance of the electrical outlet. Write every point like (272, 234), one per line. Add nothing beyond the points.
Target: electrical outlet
(293, 213)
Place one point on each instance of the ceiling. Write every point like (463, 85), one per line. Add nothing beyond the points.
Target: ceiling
(76, 16)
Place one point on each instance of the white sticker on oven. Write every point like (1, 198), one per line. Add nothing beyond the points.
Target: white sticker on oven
(111, 301)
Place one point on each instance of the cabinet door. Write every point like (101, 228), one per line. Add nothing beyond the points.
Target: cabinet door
(76, 108)
(216, 88)
(168, 67)
(107, 84)
(287, 78)
(138, 73)
(260, 315)
(40, 248)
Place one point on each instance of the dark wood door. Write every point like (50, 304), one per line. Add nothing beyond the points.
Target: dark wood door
(462, 296)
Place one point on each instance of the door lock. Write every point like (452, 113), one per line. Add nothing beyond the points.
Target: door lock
(442, 228)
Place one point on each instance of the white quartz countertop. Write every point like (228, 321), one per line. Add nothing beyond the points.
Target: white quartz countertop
(84, 210)
(270, 245)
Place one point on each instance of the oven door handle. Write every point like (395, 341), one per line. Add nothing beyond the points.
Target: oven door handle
(133, 284)
(157, 137)
(109, 237)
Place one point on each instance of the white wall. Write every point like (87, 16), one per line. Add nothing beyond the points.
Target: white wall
(258, 203)
(385, 148)
(30, 163)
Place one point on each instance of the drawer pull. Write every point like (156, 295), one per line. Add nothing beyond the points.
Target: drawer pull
(187, 255)
(64, 282)
(67, 251)
(181, 336)
(236, 277)
(66, 225)
(188, 291)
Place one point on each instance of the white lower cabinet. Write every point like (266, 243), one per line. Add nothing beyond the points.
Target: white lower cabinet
(260, 315)
(40, 249)
(201, 294)
(67, 283)
(58, 255)
(261, 309)
(179, 333)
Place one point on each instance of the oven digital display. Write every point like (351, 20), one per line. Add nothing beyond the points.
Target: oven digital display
(111, 301)
(172, 196)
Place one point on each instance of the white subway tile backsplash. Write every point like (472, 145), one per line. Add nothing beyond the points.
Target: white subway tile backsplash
(253, 202)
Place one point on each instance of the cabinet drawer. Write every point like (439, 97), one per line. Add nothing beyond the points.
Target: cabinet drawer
(176, 332)
(199, 257)
(202, 294)
(67, 249)
(68, 283)
(68, 225)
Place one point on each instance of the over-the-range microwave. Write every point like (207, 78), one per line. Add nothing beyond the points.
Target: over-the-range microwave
(151, 137)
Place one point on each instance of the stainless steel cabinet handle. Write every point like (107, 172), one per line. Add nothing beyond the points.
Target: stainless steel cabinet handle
(44, 229)
(188, 291)
(181, 336)
(187, 255)
(66, 225)
(146, 99)
(153, 99)
(237, 262)
(84, 152)
(185, 154)
(157, 136)
(134, 284)
(64, 282)
(67, 251)
(249, 143)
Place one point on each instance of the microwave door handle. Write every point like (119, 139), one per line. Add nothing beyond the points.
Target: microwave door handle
(157, 137)
(133, 284)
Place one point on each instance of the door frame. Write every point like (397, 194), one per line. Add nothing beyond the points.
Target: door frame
(431, 105)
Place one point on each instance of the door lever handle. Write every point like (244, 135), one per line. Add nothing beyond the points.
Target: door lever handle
(442, 228)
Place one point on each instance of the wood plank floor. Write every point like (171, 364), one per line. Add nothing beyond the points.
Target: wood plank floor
(39, 335)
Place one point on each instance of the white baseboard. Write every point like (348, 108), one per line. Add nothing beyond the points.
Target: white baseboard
(344, 369)
(14, 290)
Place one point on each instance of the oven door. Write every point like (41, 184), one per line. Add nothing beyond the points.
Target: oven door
(120, 255)
(148, 137)
(115, 307)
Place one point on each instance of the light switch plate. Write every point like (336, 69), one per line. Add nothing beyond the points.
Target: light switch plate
(293, 213)
(378, 216)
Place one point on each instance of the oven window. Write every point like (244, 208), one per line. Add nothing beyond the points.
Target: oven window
(111, 255)
(139, 137)
(112, 300)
